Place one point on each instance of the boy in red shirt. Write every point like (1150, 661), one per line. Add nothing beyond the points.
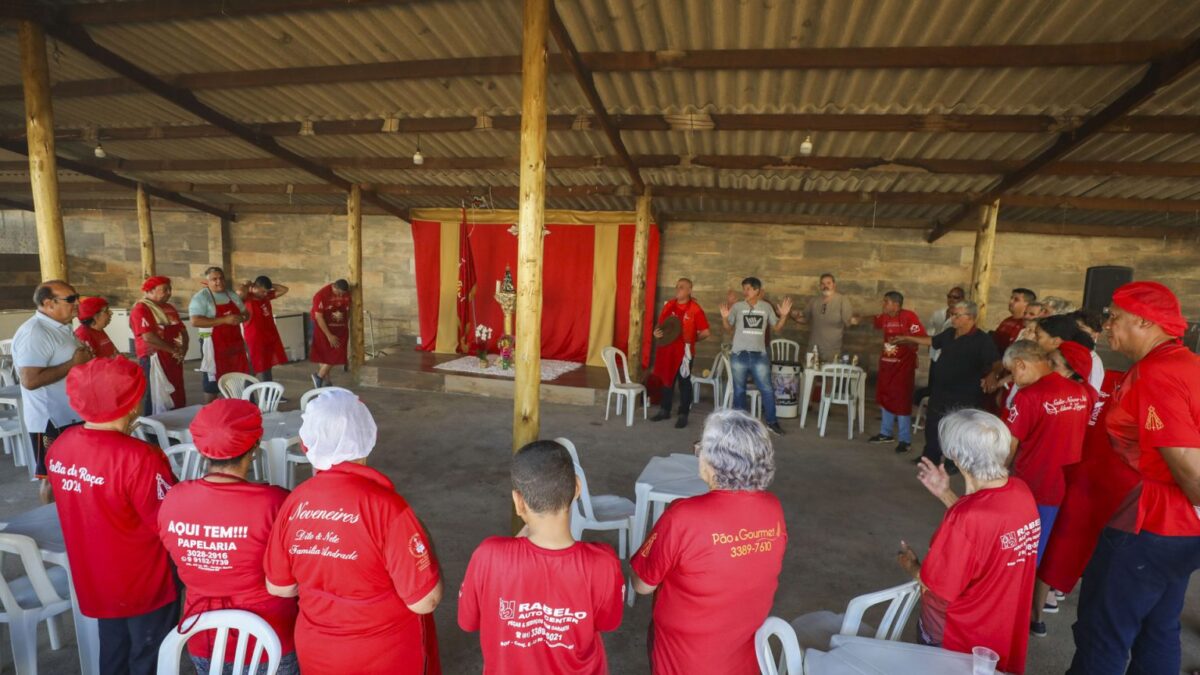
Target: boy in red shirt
(1048, 418)
(217, 528)
(555, 595)
(108, 487)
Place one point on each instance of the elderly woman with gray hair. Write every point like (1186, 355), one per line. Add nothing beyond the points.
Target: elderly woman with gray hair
(714, 560)
(979, 573)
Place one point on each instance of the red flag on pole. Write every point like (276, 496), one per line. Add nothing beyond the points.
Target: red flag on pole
(466, 289)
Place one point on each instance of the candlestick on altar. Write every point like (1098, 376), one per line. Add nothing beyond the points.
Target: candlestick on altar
(506, 295)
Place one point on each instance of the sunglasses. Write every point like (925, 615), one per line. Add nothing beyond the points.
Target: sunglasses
(954, 297)
(70, 299)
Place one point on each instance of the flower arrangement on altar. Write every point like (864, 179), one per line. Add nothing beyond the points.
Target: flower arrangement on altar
(506, 345)
(482, 335)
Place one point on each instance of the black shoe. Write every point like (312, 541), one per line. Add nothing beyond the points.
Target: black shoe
(881, 438)
(284, 399)
(776, 429)
(1037, 628)
(660, 416)
(681, 421)
(902, 448)
(316, 380)
(1049, 608)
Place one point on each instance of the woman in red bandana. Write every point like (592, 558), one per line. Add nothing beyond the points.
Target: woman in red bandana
(1135, 583)
(262, 336)
(94, 316)
(217, 528)
(158, 332)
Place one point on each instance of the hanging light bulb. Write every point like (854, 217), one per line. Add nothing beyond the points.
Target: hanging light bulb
(418, 158)
(806, 147)
(99, 151)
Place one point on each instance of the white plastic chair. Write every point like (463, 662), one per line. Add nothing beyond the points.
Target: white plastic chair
(785, 350)
(720, 373)
(40, 595)
(752, 393)
(15, 438)
(620, 384)
(246, 624)
(186, 461)
(265, 394)
(790, 660)
(231, 385)
(839, 386)
(813, 630)
(313, 393)
(598, 512)
(8, 373)
(919, 418)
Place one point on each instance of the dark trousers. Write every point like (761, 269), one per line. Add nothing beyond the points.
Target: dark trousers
(130, 646)
(1129, 604)
(933, 444)
(685, 395)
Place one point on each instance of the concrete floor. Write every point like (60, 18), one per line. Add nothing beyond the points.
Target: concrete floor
(848, 504)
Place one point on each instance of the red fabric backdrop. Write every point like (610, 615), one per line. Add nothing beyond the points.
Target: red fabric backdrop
(567, 273)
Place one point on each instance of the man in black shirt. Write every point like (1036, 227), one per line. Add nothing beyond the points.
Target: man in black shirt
(967, 355)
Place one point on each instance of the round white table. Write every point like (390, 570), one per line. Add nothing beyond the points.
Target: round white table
(853, 655)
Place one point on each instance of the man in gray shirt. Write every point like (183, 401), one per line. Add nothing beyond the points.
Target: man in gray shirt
(827, 316)
(748, 319)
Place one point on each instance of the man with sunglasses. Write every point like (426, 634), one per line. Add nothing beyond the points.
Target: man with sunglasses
(44, 351)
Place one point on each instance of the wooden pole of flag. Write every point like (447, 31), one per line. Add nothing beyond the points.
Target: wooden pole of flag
(39, 133)
(530, 226)
(637, 290)
(985, 248)
(357, 344)
(146, 232)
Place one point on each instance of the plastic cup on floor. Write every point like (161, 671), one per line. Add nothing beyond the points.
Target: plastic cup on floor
(985, 661)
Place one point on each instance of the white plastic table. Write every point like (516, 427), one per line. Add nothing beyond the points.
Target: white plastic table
(42, 525)
(280, 431)
(664, 480)
(853, 655)
(11, 394)
(810, 377)
(176, 422)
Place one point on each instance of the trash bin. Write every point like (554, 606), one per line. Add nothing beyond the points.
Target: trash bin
(785, 378)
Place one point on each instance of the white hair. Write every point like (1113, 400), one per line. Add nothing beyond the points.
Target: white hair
(738, 449)
(1057, 305)
(1024, 350)
(977, 442)
(969, 308)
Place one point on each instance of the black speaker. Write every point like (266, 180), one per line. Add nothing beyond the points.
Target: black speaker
(1100, 283)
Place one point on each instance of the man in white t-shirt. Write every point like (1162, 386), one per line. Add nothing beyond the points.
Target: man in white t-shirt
(44, 351)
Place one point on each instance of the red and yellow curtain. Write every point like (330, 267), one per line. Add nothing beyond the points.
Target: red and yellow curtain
(587, 274)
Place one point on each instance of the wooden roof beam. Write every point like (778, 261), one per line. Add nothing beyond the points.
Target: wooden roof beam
(140, 11)
(1162, 72)
(79, 40)
(980, 56)
(15, 204)
(584, 77)
(68, 164)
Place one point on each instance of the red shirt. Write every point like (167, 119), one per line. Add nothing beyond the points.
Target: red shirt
(1006, 333)
(716, 560)
(690, 315)
(552, 606)
(360, 557)
(1049, 419)
(335, 308)
(142, 321)
(217, 535)
(108, 488)
(982, 562)
(905, 322)
(98, 340)
(1157, 405)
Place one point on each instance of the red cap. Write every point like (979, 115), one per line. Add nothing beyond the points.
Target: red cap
(227, 428)
(89, 307)
(154, 282)
(1153, 302)
(1078, 358)
(103, 390)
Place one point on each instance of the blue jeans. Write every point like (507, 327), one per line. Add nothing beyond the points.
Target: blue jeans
(891, 421)
(288, 665)
(1129, 604)
(756, 365)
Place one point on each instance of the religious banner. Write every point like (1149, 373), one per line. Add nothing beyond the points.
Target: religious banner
(465, 296)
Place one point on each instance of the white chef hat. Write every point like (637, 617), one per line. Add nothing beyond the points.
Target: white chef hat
(337, 428)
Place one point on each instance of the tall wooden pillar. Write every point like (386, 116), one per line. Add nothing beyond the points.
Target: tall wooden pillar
(357, 346)
(145, 232)
(637, 298)
(985, 248)
(39, 132)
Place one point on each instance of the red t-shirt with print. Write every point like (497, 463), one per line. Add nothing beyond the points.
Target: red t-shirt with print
(982, 561)
(360, 558)
(716, 560)
(541, 611)
(1049, 419)
(1006, 333)
(97, 340)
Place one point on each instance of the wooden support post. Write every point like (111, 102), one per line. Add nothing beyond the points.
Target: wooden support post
(354, 252)
(146, 232)
(985, 247)
(39, 130)
(530, 227)
(637, 291)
